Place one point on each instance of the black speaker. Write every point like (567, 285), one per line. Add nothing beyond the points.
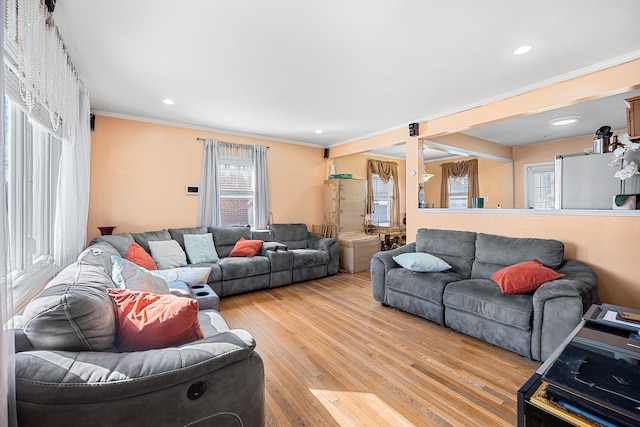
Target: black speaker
(326, 153)
(92, 122)
(51, 4)
(413, 129)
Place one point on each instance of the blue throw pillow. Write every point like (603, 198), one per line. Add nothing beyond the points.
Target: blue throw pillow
(421, 262)
(200, 248)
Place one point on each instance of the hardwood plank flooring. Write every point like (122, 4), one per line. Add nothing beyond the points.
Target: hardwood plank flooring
(335, 357)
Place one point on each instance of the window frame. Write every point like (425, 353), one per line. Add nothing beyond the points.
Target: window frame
(382, 199)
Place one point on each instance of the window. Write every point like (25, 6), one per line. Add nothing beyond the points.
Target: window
(539, 186)
(33, 156)
(235, 172)
(459, 192)
(382, 200)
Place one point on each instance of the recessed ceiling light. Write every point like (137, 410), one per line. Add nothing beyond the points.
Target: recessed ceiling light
(318, 131)
(561, 121)
(523, 49)
(168, 101)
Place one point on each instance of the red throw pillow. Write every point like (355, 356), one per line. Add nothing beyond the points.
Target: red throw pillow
(137, 255)
(524, 277)
(247, 248)
(146, 321)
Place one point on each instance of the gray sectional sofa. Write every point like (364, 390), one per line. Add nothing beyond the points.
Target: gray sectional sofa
(465, 298)
(290, 254)
(69, 372)
(70, 369)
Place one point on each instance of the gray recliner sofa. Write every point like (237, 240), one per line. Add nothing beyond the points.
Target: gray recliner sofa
(291, 255)
(465, 299)
(69, 372)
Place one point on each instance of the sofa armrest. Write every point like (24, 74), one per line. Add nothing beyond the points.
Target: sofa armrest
(50, 377)
(558, 306)
(381, 264)
(326, 244)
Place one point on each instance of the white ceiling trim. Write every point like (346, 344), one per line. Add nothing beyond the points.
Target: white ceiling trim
(558, 79)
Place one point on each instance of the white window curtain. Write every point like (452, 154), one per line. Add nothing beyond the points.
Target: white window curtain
(209, 191)
(73, 188)
(7, 343)
(260, 187)
(233, 174)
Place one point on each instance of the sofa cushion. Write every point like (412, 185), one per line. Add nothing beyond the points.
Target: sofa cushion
(200, 248)
(459, 255)
(429, 286)
(167, 254)
(524, 277)
(495, 252)
(128, 275)
(98, 254)
(242, 267)
(246, 248)
(294, 236)
(225, 238)
(144, 238)
(73, 312)
(304, 258)
(177, 234)
(120, 242)
(146, 321)
(483, 298)
(421, 262)
(137, 255)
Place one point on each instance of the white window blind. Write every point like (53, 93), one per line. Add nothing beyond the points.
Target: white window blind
(235, 172)
(459, 193)
(382, 200)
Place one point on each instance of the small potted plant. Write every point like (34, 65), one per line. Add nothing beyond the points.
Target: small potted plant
(627, 170)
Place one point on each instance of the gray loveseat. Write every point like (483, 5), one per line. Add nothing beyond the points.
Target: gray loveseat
(290, 254)
(464, 298)
(69, 373)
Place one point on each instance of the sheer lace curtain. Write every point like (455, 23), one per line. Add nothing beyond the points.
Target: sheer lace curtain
(385, 171)
(72, 204)
(457, 171)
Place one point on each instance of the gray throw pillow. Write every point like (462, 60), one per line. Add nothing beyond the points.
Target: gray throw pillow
(200, 248)
(167, 254)
(128, 275)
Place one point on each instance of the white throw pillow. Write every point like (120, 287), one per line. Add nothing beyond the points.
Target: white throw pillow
(189, 275)
(167, 254)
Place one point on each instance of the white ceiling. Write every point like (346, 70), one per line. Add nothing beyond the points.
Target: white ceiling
(281, 69)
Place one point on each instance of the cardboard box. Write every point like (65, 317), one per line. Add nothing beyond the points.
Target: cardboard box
(356, 251)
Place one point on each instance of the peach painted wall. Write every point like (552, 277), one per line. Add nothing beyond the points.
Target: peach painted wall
(356, 164)
(604, 243)
(139, 171)
(494, 179)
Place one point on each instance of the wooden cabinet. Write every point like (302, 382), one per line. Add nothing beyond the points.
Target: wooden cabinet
(633, 117)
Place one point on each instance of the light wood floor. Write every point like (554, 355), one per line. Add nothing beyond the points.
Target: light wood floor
(334, 356)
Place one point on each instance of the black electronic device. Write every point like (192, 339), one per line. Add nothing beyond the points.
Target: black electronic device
(51, 5)
(326, 153)
(413, 129)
